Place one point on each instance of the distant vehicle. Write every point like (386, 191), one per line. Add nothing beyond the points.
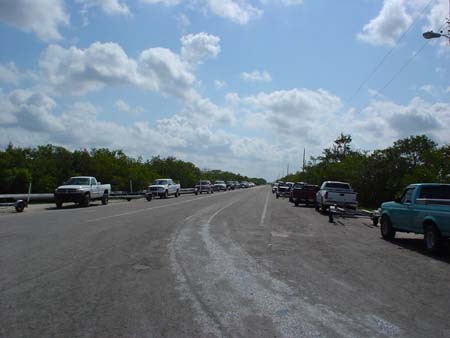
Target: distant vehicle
(303, 193)
(220, 186)
(231, 185)
(204, 186)
(163, 187)
(82, 190)
(244, 184)
(275, 187)
(422, 209)
(336, 193)
(284, 189)
(251, 184)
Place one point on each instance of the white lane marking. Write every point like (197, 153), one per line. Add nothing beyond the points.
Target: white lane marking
(263, 216)
(151, 208)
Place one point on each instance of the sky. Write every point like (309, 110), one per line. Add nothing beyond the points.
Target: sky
(238, 85)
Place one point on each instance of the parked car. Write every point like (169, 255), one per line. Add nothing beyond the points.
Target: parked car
(230, 185)
(220, 186)
(335, 193)
(284, 189)
(163, 187)
(422, 209)
(204, 186)
(82, 190)
(303, 193)
(243, 184)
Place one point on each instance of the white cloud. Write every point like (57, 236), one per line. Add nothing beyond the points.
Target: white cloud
(110, 7)
(428, 88)
(43, 17)
(219, 84)
(9, 74)
(197, 48)
(124, 107)
(396, 16)
(237, 11)
(390, 23)
(256, 76)
(241, 12)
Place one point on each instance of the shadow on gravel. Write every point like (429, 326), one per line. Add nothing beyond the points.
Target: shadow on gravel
(416, 245)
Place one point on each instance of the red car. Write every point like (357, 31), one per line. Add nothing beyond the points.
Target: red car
(303, 193)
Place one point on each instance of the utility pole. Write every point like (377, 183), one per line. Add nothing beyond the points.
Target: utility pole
(287, 171)
(304, 153)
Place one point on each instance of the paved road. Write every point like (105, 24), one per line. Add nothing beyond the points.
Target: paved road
(234, 264)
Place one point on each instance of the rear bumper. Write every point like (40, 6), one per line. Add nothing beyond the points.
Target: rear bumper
(341, 204)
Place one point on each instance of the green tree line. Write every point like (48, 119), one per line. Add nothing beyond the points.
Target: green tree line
(380, 175)
(49, 166)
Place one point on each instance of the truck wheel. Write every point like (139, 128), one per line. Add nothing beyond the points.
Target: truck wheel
(166, 194)
(105, 199)
(323, 208)
(212, 191)
(196, 193)
(177, 194)
(59, 204)
(20, 206)
(316, 206)
(149, 197)
(277, 196)
(387, 231)
(296, 203)
(432, 238)
(87, 200)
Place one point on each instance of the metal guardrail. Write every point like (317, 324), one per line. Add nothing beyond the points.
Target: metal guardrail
(50, 197)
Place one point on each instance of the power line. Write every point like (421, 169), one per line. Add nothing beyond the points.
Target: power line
(384, 58)
(406, 64)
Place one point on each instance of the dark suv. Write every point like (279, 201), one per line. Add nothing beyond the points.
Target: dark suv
(204, 186)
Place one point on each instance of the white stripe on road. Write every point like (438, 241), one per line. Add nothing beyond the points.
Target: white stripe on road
(263, 216)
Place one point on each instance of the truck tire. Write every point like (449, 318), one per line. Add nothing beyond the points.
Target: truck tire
(149, 197)
(177, 194)
(296, 203)
(386, 229)
(87, 200)
(105, 199)
(432, 238)
(277, 196)
(59, 204)
(20, 206)
(166, 194)
(316, 206)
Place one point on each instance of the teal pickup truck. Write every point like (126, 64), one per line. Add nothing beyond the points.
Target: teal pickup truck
(423, 209)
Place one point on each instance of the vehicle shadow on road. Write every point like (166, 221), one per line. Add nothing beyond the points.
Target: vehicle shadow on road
(416, 244)
(72, 206)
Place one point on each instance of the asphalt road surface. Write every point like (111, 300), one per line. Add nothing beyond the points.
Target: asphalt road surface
(234, 264)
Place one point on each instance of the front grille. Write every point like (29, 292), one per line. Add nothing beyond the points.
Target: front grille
(65, 191)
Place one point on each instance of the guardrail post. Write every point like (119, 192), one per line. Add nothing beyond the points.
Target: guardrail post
(29, 193)
(131, 186)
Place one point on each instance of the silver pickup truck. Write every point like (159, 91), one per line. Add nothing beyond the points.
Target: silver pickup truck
(335, 193)
(82, 190)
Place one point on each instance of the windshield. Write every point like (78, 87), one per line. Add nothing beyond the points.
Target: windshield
(160, 182)
(343, 186)
(78, 181)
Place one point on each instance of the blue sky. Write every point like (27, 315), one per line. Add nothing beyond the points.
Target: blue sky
(240, 85)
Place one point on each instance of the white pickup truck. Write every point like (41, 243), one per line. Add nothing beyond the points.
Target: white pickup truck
(335, 193)
(163, 187)
(82, 190)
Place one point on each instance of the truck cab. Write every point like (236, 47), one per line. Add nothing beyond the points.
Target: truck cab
(422, 209)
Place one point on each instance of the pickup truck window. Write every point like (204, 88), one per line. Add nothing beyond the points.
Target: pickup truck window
(407, 195)
(337, 186)
(78, 181)
(161, 182)
(93, 181)
(441, 192)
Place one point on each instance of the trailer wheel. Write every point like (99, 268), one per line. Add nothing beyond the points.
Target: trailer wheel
(20, 206)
